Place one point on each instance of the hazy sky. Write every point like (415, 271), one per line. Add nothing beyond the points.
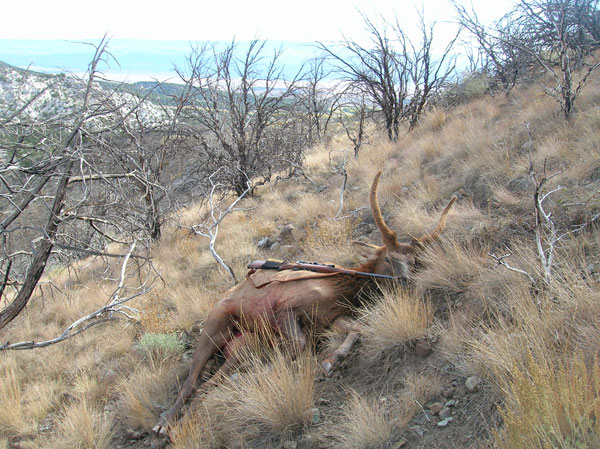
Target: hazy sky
(301, 20)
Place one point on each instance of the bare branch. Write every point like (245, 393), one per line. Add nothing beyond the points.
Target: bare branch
(500, 260)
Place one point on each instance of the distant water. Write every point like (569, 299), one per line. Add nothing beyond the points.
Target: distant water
(130, 59)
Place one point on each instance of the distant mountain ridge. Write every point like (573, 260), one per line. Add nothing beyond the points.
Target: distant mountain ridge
(132, 59)
(52, 96)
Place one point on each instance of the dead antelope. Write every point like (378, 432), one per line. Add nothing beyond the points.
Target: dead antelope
(290, 301)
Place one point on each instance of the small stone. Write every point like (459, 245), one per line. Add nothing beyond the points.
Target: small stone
(472, 383)
(591, 269)
(450, 403)
(286, 235)
(445, 422)
(418, 430)
(423, 348)
(159, 443)
(435, 408)
(290, 444)
(448, 393)
(264, 243)
(323, 401)
(399, 444)
(132, 434)
(315, 416)
(445, 412)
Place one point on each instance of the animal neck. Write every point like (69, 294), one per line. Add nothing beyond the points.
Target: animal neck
(367, 267)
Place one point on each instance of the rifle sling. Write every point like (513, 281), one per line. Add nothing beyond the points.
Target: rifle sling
(281, 281)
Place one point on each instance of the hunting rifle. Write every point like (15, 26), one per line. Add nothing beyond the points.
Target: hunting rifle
(311, 266)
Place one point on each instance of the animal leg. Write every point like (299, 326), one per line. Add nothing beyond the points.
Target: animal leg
(232, 351)
(341, 324)
(213, 338)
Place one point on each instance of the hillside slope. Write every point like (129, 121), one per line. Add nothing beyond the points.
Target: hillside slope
(481, 350)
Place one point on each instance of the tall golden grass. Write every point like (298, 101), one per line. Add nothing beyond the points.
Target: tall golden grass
(535, 345)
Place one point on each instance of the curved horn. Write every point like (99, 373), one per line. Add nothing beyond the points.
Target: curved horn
(389, 236)
(434, 235)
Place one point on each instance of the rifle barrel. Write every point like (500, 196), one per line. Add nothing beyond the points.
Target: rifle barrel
(277, 265)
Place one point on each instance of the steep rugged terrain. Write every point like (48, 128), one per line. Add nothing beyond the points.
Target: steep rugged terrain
(481, 350)
(54, 96)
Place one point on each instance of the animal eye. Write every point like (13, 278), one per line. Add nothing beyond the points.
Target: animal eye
(387, 259)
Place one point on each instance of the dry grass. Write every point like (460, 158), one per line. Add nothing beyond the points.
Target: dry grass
(81, 426)
(552, 406)
(271, 396)
(451, 268)
(329, 240)
(145, 391)
(198, 429)
(366, 424)
(400, 315)
(13, 419)
(275, 395)
(533, 345)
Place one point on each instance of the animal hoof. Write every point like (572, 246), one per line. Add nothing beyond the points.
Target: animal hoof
(161, 429)
(327, 367)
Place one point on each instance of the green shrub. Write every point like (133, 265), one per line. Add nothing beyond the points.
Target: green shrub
(160, 346)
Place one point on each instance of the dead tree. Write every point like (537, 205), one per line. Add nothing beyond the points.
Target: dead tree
(398, 75)
(218, 209)
(318, 99)
(555, 38)
(56, 193)
(239, 109)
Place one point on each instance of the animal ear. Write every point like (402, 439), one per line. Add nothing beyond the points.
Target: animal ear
(367, 250)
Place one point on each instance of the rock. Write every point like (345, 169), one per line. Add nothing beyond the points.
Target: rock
(159, 443)
(132, 434)
(264, 243)
(445, 422)
(275, 246)
(315, 416)
(418, 430)
(445, 412)
(286, 235)
(591, 269)
(399, 444)
(423, 348)
(290, 444)
(435, 408)
(448, 392)
(472, 383)
(323, 401)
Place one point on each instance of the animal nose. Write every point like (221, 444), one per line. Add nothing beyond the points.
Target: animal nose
(402, 279)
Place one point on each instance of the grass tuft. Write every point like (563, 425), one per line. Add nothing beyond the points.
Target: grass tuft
(552, 406)
(273, 395)
(366, 424)
(400, 315)
(83, 427)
